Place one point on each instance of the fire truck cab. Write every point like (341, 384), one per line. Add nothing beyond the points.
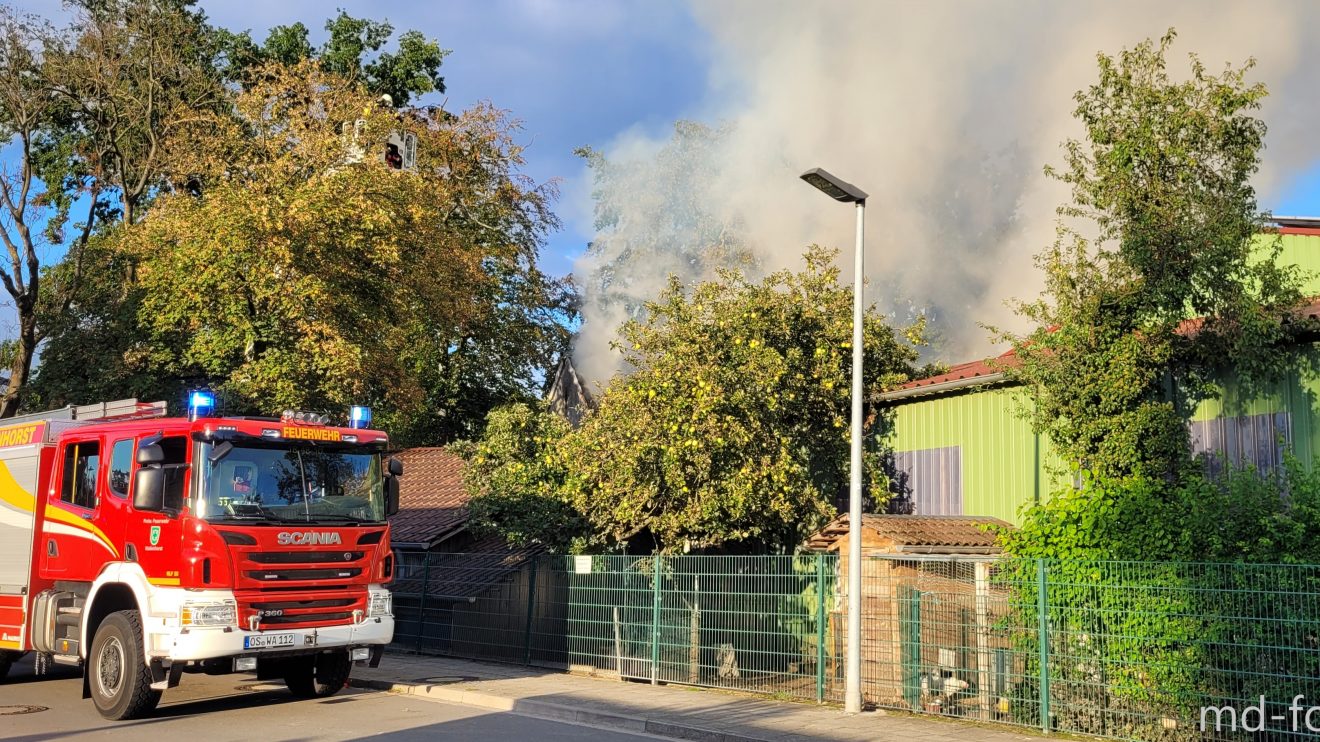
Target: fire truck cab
(141, 547)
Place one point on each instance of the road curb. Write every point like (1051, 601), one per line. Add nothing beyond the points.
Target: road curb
(554, 711)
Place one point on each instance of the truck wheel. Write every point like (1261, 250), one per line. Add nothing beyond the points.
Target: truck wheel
(319, 676)
(116, 670)
(7, 660)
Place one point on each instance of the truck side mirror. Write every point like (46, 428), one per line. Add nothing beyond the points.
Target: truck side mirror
(149, 488)
(395, 468)
(391, 496)
(150, 454)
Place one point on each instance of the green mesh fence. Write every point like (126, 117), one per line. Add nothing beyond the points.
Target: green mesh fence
(1146, 651)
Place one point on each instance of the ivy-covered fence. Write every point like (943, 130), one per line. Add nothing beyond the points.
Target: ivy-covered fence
(1124, 650)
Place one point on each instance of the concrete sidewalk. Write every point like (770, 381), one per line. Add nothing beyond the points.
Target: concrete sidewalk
(667, 711)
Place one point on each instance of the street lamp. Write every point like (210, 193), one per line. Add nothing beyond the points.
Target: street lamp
(841, 190)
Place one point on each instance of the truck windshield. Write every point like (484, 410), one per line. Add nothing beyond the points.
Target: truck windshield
(288, 484)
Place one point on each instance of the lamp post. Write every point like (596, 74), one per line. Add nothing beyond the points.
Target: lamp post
(841, 190)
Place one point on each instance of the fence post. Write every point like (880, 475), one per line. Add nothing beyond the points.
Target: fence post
(820, 628)
(982, 576)
(655, 620)
(1043, 627)
(421, 602)
(531, 606)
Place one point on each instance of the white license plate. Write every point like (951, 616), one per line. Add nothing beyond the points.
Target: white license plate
(269, 641)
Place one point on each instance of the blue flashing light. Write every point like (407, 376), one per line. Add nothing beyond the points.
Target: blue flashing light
(359, 416)
(200, 404)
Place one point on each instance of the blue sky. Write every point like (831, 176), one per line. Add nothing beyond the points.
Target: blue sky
(1301, 197)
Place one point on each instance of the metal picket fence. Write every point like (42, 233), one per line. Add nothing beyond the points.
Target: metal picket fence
(1123, 650)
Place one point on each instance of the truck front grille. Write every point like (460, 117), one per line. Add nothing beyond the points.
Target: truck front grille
(305, 618)
(304, 557)
(286, 609)
(280, 575)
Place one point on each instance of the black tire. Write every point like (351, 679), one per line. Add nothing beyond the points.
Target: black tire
(7, 660)
(318, 676)
(116, 670)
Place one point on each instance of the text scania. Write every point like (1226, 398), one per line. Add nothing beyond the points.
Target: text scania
(307, 538)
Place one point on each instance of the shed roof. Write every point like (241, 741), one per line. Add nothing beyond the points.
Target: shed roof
(433, 503)
(938, 534)
(970, 370)
(461, 576)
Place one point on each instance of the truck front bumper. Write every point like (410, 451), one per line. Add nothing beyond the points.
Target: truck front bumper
(209, 643)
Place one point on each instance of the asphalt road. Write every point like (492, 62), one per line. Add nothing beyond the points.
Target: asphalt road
(237, 707)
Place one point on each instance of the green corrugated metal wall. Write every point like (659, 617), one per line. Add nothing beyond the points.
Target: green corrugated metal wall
(1302, 251)
(1006, 466)
(1004, 463)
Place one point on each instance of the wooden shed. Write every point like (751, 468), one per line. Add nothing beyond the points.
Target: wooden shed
(927, 607)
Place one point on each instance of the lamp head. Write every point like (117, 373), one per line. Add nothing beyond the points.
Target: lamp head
(833, 186)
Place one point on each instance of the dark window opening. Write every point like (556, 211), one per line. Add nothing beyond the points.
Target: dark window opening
(81, 462)
(176, 470)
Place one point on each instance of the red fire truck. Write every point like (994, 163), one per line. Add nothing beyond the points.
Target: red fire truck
(140, 547)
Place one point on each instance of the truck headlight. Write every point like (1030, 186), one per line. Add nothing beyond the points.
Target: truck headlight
(380, 603)
(208, 613)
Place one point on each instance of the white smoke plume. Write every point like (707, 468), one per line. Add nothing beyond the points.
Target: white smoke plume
(945, 112)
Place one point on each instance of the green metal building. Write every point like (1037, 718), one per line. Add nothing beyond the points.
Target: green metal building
(963, 445)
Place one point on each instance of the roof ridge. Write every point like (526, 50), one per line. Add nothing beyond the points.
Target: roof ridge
(983, 367)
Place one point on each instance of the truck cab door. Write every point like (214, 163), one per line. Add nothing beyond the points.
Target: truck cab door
(115, 509)
(76, 547)
(156, 538)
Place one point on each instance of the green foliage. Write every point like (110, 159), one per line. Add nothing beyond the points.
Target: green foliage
(130, 76)
(287, 45)
(353, 50)
(731, 431)
(515, 474)
(95, 349)
(1243, 515)
(1163, 179)
(1158, 639)
(298, 280)
(1142, 314)
(268, 267)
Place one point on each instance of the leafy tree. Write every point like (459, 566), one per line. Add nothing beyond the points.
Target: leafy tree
(497, 357)
(299, 279)
(516, 473)
(1162, 183)
(89, 113)
(730, 432)
(26, 113)
(130, 75)
(352, 51)
(1144, 311)
(92, 112)
(137, 84)
(95, 348)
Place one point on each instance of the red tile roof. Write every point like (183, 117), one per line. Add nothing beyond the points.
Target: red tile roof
(969, 370)
(988, 367)
(432, 499)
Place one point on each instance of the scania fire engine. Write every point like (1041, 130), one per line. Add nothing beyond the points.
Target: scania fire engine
(140, 547)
